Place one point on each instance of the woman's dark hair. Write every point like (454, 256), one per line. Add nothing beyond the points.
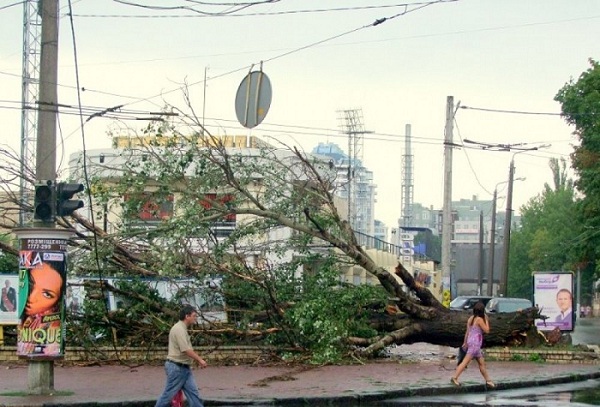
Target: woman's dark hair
(185, 311)
(479, 309)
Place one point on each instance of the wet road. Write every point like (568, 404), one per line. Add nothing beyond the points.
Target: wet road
(580, 394)
(587, 330)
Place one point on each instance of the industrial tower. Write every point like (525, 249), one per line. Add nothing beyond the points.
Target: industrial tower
(407, 181)
(32, 29)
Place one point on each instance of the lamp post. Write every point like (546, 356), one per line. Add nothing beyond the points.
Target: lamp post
(507, 219)
(490, 269)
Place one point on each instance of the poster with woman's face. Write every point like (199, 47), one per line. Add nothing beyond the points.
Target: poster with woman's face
(42, 285)
(553, 295)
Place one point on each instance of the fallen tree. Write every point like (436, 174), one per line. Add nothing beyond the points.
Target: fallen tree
(280, 264)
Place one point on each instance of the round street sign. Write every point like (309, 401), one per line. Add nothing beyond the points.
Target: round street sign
(253, 99)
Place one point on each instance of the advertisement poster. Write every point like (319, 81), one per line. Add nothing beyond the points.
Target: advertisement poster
(9, 299)
(42, 282)
(553, 295)
(75, 296)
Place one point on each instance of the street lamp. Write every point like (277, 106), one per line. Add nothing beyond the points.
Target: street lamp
(507, 219)
(490, 269)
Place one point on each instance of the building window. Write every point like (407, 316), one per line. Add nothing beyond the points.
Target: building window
(225, 226)
(147, 209)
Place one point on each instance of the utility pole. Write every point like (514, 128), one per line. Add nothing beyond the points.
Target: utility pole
(502, 290)
(508, 218)
(41, 344)
(481, 260)
(507, 223)
(447, 208)
(490, 271)
(48, 100)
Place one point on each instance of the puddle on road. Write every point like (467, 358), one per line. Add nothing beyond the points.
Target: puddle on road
(574, 394)
(589, 396)
(581, 396)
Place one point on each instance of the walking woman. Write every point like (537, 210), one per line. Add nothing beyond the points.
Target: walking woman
(477, 325)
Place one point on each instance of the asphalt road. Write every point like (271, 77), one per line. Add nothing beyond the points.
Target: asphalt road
(586, 331)
(579, 394)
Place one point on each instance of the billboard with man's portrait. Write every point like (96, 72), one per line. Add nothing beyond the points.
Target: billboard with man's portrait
(9, 297)
(553, 295)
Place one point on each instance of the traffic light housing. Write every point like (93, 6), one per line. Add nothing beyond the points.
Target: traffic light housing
(44, 202)
(64, 204)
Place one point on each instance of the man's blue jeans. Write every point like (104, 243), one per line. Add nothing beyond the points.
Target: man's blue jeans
(179, 378)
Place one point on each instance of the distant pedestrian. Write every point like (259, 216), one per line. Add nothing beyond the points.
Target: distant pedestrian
(477, 325)
(180, 356)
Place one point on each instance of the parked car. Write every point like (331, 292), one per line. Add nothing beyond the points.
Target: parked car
(506, 304)
(465, 302)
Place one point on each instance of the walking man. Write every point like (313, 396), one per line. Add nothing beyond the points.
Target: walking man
(180, 356)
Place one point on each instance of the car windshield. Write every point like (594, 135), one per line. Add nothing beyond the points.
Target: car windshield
(458, 302)
(512, 306)
(507, 305)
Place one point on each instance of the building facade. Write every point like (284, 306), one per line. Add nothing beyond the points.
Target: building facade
(354, 183)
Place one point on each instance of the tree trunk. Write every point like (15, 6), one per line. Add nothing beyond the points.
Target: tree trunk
(446, 328)
(435, 324)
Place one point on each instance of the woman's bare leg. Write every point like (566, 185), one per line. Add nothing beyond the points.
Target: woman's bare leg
(461, 368)
(483, 369)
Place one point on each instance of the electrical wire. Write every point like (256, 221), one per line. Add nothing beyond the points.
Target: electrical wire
(482, 109)
(376, 23)
(198, 13)
(11, 5)
(248, 67)
(234, 7)
(469, 159)
(86, 175)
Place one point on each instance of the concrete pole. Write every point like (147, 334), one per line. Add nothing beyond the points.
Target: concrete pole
(508, 219)
(48, 99)
(481, 260)
(447, 208)
(507, 224)
(41, 372)
(578, 302)
(490, 271)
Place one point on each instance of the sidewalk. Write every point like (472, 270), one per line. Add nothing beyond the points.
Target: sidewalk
(248, 385)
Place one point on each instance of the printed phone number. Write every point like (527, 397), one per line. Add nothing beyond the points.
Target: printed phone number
(46, 246)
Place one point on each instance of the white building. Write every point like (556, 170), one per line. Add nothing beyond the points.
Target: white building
(361, 200)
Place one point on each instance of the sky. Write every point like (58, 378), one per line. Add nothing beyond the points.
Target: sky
(502, 61)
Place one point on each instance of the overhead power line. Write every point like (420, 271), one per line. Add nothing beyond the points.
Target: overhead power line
(482, 109)
(416, 7)
(18, 3)
(196, 13)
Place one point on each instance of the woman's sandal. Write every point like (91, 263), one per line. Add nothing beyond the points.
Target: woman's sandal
(490, 384)
(455, 381)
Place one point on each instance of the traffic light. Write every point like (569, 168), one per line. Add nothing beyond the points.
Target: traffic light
(43, 202)
(64, 204)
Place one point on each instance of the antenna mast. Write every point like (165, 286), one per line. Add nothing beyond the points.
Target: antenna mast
(407, 180)
(32, 34)
(352, 125)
